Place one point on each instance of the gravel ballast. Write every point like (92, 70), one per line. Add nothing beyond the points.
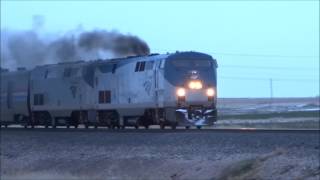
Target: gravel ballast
(148, 154)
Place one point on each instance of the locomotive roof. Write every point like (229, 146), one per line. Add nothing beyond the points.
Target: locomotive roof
(150, 57)
(153, 57)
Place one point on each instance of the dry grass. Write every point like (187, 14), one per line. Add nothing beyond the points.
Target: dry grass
(247, 101)
(310, 173)
(247, 169)
(268, 115)
(306, 124)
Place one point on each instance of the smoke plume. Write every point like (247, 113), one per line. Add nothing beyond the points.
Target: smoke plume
(29, 48)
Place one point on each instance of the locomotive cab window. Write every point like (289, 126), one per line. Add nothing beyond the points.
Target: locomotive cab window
(140, 66)
(104, 97)
(38, 99)
(137, 67)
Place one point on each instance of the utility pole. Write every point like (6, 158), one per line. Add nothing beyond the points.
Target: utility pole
(271, 92)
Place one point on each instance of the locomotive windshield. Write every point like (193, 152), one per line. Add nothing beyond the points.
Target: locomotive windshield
(179, 65)
(192, 63)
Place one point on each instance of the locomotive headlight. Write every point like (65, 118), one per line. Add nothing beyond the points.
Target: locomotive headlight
(181, 92)
(195, 85)
(210, 92)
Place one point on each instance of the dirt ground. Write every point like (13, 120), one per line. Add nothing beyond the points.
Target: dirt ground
(103, 154)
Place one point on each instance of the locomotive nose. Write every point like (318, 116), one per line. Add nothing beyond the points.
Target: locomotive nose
(195, 94)
(195, 84)
(195, 91)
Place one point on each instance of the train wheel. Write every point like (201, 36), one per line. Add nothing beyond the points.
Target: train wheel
(162, 126)
(187, 127)
(173, 125)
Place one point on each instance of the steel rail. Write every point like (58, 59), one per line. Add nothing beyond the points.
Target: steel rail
(158, 130)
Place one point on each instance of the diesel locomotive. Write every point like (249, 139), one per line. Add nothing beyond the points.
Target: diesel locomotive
(173, 89)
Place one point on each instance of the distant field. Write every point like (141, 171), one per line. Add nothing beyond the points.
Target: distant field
(266, 108)
(247, 101)
(297, 113)
(267, 115)
(272, 123)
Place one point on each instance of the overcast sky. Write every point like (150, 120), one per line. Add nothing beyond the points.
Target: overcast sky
(253, 42)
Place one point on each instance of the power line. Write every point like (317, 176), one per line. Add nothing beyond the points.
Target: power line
(267, 79)
(265, 55)
(268, 67)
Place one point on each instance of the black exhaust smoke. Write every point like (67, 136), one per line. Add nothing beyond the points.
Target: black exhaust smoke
(117, 43)
(29, 48)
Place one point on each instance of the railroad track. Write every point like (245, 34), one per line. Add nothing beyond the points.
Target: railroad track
(158, 130)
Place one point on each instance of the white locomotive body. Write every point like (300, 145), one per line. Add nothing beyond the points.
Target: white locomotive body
(168, 89)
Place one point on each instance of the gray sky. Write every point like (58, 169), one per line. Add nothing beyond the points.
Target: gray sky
(247, 38)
